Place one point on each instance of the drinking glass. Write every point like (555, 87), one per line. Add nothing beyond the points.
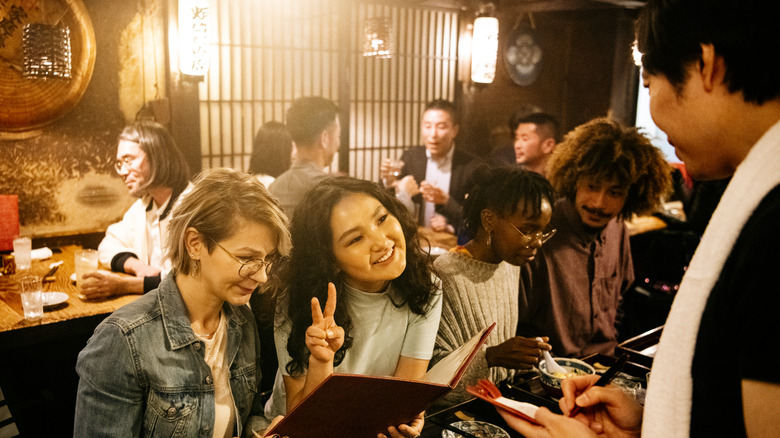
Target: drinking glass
(395, 167)
(86, 260)
(23, 252)
(32, 297)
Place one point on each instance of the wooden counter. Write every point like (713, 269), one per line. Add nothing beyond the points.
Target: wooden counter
(12, 315)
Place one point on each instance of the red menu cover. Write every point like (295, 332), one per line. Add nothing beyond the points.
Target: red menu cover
(9, 221)
(358, 406)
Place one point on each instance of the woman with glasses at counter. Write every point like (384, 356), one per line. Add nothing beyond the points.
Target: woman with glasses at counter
(355, 239)
(506, 215)
(184, 359)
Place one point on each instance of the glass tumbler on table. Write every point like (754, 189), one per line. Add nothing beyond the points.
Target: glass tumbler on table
(23, 252)
(86, 260)
(32, 297)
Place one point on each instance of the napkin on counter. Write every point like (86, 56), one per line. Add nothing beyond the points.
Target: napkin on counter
(40, 253)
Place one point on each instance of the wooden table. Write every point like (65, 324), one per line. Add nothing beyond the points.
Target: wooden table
(38, 366)
(11, 313)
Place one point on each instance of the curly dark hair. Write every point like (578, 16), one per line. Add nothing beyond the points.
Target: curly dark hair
(503, 190)
(603, 149)
(312, 264)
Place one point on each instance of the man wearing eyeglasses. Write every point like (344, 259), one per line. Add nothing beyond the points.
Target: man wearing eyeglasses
(604, 173)
(155, 171)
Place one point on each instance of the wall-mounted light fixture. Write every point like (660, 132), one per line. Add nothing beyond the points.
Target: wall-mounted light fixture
(378, 40)
(484, 46)
(193, 37)
(47, 52)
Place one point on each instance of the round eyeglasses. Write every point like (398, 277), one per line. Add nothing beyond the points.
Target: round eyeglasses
(123, 162)
(542, 236)
(249, 267)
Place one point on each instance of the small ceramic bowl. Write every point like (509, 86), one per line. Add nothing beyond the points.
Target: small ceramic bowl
(479, 429)
(552, 384)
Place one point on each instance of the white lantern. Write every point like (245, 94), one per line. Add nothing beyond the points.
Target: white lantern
(484, 50)
(193, 37)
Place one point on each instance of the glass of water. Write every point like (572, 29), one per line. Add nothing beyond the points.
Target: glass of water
(32, 297)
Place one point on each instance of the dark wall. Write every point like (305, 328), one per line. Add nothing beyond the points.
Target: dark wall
(576, 79)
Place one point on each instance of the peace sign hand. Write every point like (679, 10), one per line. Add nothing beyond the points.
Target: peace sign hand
(324, 337)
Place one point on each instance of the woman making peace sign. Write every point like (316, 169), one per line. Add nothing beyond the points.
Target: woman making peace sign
(353, 237)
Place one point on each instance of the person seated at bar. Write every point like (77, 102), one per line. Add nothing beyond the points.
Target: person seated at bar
(155, 171)
(271, 152)
(722, 114)
(184, 358)
(605, 173)
(506, 214)
(314, 125)
(438, 171)
(355, 250)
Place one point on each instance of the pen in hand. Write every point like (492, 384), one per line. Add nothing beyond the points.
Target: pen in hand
(605, 378)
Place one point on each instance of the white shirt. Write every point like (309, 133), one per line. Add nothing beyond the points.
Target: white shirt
(154, 234)
(438, 173)
(224, 406)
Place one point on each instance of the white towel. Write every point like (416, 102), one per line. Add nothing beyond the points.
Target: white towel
(668, 408)
(40, 253)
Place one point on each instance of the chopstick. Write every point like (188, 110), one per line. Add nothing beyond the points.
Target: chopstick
(53, 270)
(606, 378)
(451, 428)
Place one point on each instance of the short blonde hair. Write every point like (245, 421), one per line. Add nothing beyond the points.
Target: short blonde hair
(218, 200)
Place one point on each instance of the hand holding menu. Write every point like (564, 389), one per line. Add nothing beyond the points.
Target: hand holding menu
(351, 405)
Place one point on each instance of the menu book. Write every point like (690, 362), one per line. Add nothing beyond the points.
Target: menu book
(359, 406)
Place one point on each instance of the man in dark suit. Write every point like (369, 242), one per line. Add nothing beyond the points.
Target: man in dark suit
(443, 170)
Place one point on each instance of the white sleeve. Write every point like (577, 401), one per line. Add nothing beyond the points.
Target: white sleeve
(122, 236)
(421, 332)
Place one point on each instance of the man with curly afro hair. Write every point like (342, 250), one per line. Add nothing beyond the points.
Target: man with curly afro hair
(603, 173)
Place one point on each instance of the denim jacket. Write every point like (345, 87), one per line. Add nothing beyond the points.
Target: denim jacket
(143, 372)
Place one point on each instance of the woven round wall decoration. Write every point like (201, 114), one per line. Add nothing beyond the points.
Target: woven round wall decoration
(31, 96)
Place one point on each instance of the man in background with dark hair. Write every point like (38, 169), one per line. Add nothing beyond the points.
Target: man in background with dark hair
(535, 137)
(155, 171)
(441, 169)
(605, 173)
(314, 125)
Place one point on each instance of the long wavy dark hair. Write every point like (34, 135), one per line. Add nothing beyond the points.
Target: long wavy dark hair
(312, 264)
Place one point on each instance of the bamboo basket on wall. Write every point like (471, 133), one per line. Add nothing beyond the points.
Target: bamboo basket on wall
(28, 104)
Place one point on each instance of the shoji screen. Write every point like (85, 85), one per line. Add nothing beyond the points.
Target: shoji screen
(388, 95)
(266, 53)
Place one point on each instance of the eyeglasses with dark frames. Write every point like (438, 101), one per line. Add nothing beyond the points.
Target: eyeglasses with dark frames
(542, 236)
(249, 267)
